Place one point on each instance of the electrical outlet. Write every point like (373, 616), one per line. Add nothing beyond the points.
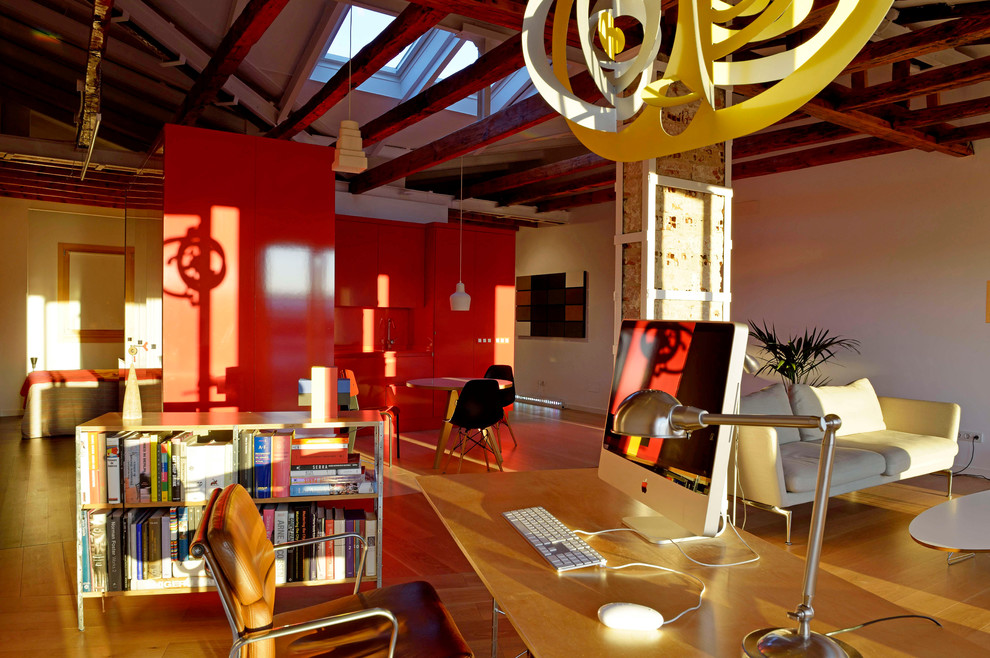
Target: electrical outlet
(975, 437)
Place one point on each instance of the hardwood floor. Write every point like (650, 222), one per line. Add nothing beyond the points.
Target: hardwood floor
(866, 542)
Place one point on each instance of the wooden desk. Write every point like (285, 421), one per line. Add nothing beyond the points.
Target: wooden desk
(454, 386)
(556, 614)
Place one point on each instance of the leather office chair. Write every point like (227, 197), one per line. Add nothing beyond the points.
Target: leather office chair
(389, 412)
(508, 396)
(478, 409)
(401, 620)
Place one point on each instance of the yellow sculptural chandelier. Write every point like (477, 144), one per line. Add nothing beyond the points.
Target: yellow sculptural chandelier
(638, 88)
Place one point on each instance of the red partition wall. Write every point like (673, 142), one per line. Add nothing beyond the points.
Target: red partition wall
(249, 269)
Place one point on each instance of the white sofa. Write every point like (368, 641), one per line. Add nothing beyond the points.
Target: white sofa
(881, 440)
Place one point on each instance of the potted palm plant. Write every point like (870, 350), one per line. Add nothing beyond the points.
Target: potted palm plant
(797, 358)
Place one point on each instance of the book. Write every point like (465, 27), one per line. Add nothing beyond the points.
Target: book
(164, 469)
(165, 546)
(114, 472)
(350, 467)
(82, 450)
(338, 544)
(182, 533)
(144, 469)
(85, 569)
(115, 552)
(348, 484)
(281, 448)
(353, 522)
(132, 467)
(98, 549)
(323, 478)
(153, 474)
(173, 533)
(177, 449)
(280, 537)
(263, 464)
(207, 468)
(371, 535)
(318, 451)
(268, 517)
(320, 557)
(329, 545)
(245, 461)
(152, 538)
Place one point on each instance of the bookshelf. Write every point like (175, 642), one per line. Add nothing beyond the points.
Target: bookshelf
(218, 428)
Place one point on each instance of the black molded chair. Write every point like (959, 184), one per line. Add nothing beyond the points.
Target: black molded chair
(508, 396)
(478, 409)
(389, 412)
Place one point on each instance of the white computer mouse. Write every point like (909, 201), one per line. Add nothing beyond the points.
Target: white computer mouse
(630, 617)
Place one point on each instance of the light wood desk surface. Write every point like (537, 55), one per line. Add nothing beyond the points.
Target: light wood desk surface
(556, 614)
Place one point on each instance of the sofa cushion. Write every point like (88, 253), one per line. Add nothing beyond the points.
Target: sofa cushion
(856, 404)
(771, 400)
(800, 462)
(903, 451)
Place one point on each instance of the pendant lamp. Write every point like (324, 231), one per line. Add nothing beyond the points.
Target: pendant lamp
(348, 156)
(460, 300)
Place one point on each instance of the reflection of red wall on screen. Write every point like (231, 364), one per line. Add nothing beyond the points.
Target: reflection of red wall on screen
(249, 222)
(655, 359)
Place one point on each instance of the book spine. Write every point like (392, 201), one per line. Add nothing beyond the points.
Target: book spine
(245, 461)
(280, 465)
(153, 473)
(182, 519)
(164, 470)
(166, 545)
(176, 467)
(94, 476)
(338, 544)
(328, 530)
(144, 470)
(263, 465)
(98, 549)
(268, 516)
(348, 546)
(132, 551)
(281, 524)
(141, 544)
(113, 470)
(320, 556)
(173, 533)
(115, 576)
(86, 575)
(302, 470)
(132, 468)
(153, 560)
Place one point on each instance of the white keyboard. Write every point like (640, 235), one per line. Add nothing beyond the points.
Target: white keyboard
(563, 549)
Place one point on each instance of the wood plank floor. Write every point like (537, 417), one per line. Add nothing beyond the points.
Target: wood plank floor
(866, 542)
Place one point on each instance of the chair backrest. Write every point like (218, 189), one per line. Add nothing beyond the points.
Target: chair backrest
(478, 406)
(503, 372)
(233, 540)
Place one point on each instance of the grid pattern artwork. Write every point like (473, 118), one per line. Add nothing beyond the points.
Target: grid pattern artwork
(552, 304)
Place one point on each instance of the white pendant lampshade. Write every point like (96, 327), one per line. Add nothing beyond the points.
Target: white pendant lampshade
(348, 155)
(460, 300)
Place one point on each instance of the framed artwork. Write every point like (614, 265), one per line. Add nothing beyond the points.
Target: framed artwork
(552, 305)
(95, 283)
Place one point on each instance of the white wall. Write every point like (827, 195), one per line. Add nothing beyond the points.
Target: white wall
(893, 251)
(577, 371)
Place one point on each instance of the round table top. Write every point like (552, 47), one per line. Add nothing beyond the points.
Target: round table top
(449, 383)
(958, 525)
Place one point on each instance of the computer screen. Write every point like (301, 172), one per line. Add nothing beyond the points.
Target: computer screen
(683, 480)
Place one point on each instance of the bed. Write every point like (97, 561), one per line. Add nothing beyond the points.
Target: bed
(55, 401)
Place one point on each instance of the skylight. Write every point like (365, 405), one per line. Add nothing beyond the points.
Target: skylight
(365, 26)
(466, 55)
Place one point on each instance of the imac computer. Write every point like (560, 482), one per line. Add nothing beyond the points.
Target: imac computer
(682, 480)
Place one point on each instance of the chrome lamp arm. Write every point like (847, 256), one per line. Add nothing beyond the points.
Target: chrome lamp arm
(657, 414)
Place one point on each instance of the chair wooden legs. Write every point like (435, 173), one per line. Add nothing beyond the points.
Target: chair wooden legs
(488, 443)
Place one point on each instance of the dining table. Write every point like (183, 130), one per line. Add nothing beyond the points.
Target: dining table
(453, 386)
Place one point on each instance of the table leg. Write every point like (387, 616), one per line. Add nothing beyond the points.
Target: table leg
(445, 430)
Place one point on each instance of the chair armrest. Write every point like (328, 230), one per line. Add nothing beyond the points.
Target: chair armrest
(319, 540)
(921, 417)
(323, 622)
(758, 464)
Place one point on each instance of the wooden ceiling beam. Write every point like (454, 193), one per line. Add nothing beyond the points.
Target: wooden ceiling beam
(578, 200)
(940, 113)
(413, 22)
(515, 118)
(932, 39)
(536, 174)
(779, 140)
(489, 68)
(939, 12)
(545, 190)
(968, 133)
(247, 29)
(919, 84)
(71, 171)
(868, 124)
(860, 148)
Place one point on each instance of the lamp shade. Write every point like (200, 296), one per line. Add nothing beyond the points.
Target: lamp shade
(647, 413)
(460, 300)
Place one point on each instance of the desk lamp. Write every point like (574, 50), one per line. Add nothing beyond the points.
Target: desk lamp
(657, 414)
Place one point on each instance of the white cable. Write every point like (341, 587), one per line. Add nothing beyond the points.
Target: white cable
(701, 594)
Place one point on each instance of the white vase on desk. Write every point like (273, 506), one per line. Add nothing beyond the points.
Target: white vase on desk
(132, 397)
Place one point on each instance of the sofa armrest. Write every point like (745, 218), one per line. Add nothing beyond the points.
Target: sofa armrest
(921, 417)
(761, 472)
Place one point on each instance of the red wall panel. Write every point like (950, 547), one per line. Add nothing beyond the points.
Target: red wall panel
(249, 237)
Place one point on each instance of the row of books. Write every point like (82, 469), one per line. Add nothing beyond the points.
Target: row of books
(332, 560)
(142, 467)
(148, 548)
(135, 467)
(140, 549)
(277, 464)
